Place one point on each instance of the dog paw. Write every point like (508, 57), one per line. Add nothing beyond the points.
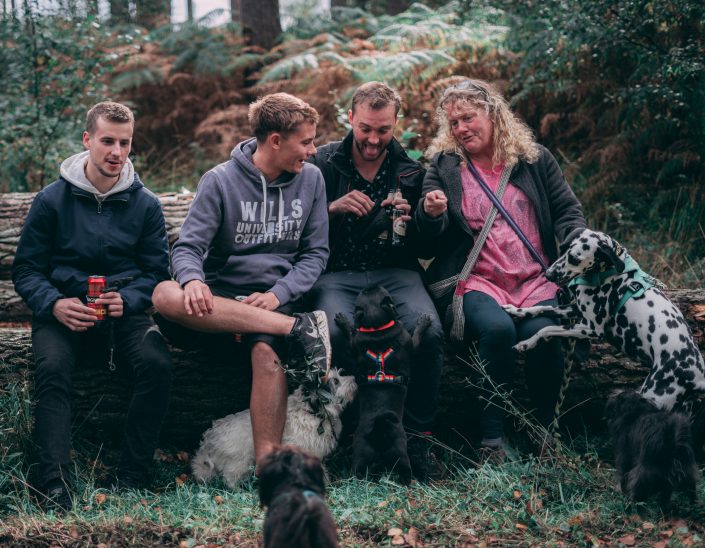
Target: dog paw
(521, 347)
(513, 311)
(342, 320)
(424, 321)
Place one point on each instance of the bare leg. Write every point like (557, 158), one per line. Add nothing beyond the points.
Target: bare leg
(267, 400)
(228, 316)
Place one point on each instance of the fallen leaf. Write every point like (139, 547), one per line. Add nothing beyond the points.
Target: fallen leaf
(181, 479)
(412, 537)
(698, 311)
(218, 499)
(101, 545)
(382, 504)
(398, 512)
(73, 532)
(668, 533)
(100, 498)
(661, 544)
(647, 526)
(627, 540)
(521, 526)
(517, 494)
(575, 521)
(127, 520)
(182, 456)
(394, 532)
(398, 541)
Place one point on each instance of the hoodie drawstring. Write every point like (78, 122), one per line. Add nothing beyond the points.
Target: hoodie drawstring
(281, 213)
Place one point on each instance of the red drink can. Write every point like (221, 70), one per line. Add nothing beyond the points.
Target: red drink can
(96, 286)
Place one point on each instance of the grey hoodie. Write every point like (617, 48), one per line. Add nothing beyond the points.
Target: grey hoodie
(243, 234)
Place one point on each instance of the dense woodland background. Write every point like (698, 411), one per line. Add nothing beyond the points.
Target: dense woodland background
(616, 89)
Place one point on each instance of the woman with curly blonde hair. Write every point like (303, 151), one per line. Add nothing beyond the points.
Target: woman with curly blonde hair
(487, 258)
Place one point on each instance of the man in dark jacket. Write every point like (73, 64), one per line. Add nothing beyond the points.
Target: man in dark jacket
(97, 218)
(365, 173)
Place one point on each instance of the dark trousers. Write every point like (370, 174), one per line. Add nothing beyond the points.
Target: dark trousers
(139, 346)
(496, 333)
(336, 292)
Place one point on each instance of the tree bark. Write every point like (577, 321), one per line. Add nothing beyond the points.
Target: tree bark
(119, 12)
(153, 13)
(189, 10)
(260, 22)
(14, 207)
(235, 11)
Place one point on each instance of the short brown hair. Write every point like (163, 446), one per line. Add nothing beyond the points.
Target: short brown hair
(279, 113)
(376, 95)
(110, 111)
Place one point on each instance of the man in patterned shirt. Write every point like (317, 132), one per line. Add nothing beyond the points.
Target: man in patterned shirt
(363, 173)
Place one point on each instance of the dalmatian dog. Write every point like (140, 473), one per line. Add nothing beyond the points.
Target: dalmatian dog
(613, 299)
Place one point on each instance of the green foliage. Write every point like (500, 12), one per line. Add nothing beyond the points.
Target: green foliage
(623, 85)
(51, 68)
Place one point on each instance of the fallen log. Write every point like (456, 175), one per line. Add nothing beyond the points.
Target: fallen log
(212, 383)
(14, 207)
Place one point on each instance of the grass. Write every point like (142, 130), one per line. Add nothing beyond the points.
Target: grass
(563, 497)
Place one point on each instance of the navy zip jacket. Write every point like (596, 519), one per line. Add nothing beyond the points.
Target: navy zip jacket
(333, 160)
(68, 235)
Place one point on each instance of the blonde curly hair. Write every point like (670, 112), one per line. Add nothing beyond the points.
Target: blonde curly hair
(512, 139)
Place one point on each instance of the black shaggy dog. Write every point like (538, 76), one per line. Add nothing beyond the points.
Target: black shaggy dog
(292, 486)
(653, 448)
(383, 350)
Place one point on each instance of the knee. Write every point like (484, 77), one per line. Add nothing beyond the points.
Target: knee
(265, 361)
(498, 334)
(167, 298)
(52, 372)
(156, 356)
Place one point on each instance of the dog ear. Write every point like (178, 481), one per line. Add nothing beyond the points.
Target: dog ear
(388, 306)
(274, 470)
(612, 256)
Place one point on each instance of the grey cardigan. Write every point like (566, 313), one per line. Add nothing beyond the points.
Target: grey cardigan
(557, 209)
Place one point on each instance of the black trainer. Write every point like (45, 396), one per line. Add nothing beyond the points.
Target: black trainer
(57, 498)
(424, 463)
(309, 342)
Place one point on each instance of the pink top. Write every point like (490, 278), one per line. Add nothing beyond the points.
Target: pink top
(505, 270)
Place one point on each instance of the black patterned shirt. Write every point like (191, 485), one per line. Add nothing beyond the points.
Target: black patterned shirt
(353, 253)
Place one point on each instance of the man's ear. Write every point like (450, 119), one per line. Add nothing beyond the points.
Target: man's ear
(350, 116)
(87, 140)
(274, 140)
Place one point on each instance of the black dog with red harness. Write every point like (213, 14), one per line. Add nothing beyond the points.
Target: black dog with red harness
(383, 350)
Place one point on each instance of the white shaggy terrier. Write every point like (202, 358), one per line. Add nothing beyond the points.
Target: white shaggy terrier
(227, 447)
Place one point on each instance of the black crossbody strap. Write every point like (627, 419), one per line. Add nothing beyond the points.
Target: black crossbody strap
(507, 216)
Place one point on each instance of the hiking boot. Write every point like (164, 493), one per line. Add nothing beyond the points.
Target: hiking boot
(309, 342)
(491, 454)
(57, 498)
(424, 463)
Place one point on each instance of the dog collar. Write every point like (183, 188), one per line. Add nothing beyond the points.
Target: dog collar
(308, 494)
(373, 329)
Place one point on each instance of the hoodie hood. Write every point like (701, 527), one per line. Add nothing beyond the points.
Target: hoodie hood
(73, 169)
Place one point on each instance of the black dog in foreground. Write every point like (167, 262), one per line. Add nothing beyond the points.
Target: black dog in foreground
(292, 486)
(653, 448)
(383, 350)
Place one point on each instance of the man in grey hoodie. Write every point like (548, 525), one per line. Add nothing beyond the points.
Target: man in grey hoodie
(97, 218)
(253, 243)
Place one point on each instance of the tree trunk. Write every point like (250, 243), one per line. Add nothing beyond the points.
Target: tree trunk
(189, 10)
(260, 22)
(119, 12)
(15, 205)
(235, 11)
(397, 6)
(153, 13)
